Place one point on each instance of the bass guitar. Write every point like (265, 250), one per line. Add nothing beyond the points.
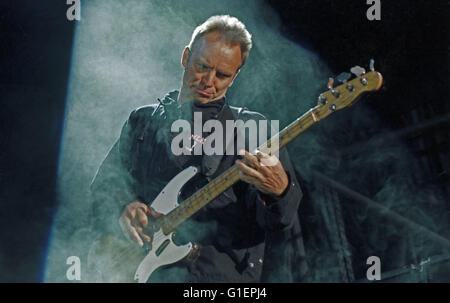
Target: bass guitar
(114, 259)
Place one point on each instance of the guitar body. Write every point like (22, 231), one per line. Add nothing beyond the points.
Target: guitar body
(115, 260)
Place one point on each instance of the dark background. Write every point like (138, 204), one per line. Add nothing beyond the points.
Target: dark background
(35, 51)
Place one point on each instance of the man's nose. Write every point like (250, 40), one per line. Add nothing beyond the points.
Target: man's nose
(208, 78)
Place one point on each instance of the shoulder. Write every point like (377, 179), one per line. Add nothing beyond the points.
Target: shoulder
(146, 112)
(143, 111)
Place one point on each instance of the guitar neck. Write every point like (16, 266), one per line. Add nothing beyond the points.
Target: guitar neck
(229, 177)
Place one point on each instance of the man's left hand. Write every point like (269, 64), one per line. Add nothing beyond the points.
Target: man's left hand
(264, 171)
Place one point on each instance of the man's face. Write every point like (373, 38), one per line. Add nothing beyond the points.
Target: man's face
(210, 68)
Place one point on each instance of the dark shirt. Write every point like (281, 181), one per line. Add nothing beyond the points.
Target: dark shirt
(233, 229)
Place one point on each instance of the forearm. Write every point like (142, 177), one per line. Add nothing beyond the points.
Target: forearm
(278, 212)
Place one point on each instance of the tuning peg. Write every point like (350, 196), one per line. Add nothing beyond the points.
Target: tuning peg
(371, 65)
(343, 77)
(358, 71)
(330, 83)
(330, 87)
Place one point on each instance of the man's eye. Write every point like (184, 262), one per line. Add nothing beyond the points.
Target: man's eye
(202, 67)
(223, 76)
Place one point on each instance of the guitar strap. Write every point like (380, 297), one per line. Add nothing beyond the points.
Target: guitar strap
(210, 163)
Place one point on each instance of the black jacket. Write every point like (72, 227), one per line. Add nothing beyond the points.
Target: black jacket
(245, 236)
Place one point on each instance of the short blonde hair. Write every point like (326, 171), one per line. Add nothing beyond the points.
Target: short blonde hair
(231, 29)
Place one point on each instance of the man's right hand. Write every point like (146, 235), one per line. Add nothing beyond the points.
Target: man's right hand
(133, 219)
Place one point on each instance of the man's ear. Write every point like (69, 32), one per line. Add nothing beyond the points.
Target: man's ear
(234, 77)
(185, 56)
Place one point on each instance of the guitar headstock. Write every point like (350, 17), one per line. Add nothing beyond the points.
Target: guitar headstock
(348, 92)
